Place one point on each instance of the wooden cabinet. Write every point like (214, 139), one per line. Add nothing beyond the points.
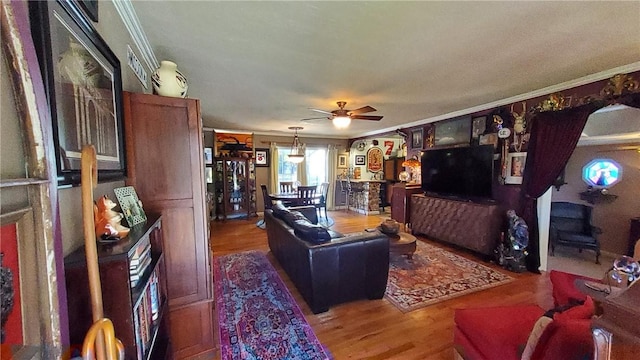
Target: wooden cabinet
(235, 189)
(134, 292)
(400, 201)
(165, 165)
(392, 168)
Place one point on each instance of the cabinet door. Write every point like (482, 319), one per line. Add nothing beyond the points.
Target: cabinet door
(192, 331)
(164, 152)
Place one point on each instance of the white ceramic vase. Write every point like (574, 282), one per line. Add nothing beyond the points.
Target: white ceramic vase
(168, 80)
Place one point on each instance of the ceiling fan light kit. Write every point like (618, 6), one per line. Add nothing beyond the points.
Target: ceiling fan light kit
(341, 122)
(342, 117)
(296, 155)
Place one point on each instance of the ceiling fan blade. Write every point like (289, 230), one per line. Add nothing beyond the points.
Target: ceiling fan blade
(320, 111)
(317, 118)
(362, 110)
(367, 117)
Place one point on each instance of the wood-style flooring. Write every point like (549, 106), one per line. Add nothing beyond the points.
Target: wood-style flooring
(376, 329)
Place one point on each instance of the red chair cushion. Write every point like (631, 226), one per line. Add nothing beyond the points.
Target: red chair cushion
(568, 339)
(578, 312)
(564, 290)
(498, 332)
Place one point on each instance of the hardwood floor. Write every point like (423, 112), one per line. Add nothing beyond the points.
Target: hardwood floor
(376, 329)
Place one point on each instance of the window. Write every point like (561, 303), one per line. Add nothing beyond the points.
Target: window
(316, 160)
(601, 173)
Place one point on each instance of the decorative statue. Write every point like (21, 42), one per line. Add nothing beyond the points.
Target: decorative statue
(107, 221)
(511, 252)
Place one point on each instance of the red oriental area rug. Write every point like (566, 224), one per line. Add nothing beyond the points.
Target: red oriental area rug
(435, 275)
(257, 316)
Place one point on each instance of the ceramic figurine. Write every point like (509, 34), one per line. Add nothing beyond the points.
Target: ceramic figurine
(107, 221)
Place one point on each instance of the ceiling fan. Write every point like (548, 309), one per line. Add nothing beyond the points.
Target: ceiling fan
(342, 117)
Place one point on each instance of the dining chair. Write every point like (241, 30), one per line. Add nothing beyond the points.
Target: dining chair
(268, 202)
(345, 188)
(286, 187)
(322, 201)
(307, 195)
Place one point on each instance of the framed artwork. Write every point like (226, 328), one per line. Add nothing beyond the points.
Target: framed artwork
(416, 139)
(374, 160)
(262, 157)
(491, 138)
(515, 167)
(208, 175)
(130, 205)
(453, 132)
(360, 159)
(342, 161)
(478, 126)
(84, 89)
(90, 7)
(208, 156)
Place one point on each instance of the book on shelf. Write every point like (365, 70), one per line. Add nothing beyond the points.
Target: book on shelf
(139, 257)
(134, 277)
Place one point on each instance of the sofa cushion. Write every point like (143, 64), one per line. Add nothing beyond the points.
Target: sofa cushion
(513, 323)
(291, 217)
(564, 289)
(310, 232)
(575, 237)
(279, 210)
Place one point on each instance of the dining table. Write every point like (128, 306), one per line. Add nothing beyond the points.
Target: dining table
(291, 198)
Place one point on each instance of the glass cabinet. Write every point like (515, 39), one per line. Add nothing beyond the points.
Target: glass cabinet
(235, 192)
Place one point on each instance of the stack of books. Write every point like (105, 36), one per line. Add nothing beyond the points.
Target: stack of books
(139, 261)
(145, 316)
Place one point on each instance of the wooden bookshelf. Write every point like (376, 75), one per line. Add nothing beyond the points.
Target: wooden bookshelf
(137, 308)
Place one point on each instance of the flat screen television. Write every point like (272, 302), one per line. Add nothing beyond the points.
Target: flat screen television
(462, 172)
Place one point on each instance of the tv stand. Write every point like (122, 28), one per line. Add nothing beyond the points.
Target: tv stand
(471, 225)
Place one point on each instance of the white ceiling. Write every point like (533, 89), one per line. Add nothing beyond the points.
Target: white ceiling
(260, 66)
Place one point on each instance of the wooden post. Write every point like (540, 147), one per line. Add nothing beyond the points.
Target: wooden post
(89, 178)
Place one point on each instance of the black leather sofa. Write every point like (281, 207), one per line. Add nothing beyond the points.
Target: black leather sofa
(570, 225)
(327, 267)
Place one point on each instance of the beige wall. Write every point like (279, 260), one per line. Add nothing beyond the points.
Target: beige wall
(613, 218)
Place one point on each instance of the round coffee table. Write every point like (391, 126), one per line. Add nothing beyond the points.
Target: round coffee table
(402, 243)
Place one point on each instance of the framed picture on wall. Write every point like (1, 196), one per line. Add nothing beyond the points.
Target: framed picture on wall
(360, 160)
(208, 156)
(416, 139)
(262, 157)
(342, 161)
(515, 167)
(84, 88)
(453, 132)
(478, 126)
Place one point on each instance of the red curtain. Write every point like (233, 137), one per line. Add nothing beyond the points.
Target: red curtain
(554, 136)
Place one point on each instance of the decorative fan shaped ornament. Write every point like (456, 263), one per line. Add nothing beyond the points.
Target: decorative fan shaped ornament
(342, 117)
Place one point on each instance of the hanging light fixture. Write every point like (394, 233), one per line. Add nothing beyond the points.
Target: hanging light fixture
(297, 151)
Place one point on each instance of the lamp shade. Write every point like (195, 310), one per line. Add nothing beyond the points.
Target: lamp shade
(341, 122)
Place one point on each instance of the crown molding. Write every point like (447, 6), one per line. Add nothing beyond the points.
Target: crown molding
(132, 23)
(625, 69)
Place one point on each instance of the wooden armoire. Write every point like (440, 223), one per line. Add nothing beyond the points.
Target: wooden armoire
(165, 165)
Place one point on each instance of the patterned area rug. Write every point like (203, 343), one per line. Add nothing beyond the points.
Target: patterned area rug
(258, 318)
(435, 275)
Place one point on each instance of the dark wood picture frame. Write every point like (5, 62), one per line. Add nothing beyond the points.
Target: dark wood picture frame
(85, 100)
(90, 7)
(417, 139)
(262, 157)
(452, 132)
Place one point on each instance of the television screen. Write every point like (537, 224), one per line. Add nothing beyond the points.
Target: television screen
(465, 172)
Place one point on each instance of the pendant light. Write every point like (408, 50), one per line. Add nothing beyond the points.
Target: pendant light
(297, 151)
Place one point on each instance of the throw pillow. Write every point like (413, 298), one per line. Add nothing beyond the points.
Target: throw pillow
(534, 337)
(313, 233)
(580, 312)
(279, 210)
(292, 216)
